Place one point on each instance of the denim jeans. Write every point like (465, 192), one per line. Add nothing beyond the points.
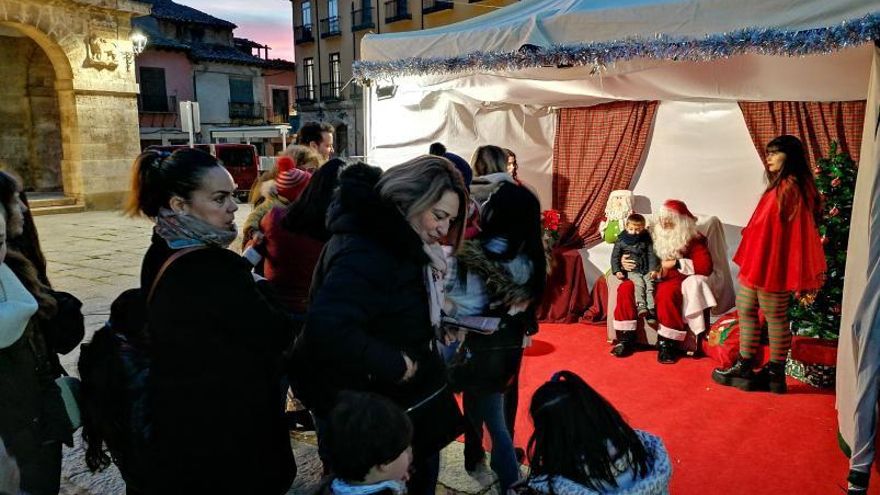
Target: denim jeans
(488, 409)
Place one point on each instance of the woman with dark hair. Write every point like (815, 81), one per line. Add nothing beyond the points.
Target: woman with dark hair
(582, 446)
(26, 243)
(294, 236)
(33, 419)
(500, 274)
(376, 301)
(216, 340)
(780, 253)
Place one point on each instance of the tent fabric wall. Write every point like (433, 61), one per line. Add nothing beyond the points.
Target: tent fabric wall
(404, 126)
(863, 255)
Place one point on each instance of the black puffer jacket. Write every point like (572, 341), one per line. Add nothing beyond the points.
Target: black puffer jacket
(369, 306)
(217, 345)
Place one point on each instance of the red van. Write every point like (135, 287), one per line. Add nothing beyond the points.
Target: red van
(239, 159)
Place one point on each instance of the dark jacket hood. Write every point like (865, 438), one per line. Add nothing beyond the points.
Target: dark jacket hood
(357, 209)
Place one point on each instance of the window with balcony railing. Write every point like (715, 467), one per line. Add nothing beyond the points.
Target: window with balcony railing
(431, 6)
(355, 92)
(303, 34)
(305, 93)
(363, 18)
(331, 91)
(330, 27)
(397, 10)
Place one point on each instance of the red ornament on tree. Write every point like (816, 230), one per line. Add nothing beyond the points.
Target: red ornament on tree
(824, 240)
(836, 309)
(833, 212)
(836, 182)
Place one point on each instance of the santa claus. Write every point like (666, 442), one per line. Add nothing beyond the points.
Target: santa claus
(683, 251)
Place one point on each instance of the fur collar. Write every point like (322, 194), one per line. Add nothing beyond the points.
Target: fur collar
(499, 284)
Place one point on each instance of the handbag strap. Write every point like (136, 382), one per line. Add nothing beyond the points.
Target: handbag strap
(171, 259)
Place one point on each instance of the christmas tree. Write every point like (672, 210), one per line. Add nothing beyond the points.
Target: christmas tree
(817, 314)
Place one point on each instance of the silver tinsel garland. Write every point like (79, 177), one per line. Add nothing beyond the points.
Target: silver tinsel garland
(601, 54)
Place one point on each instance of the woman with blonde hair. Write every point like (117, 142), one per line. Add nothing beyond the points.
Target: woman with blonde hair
(377, 298)
(490, 171)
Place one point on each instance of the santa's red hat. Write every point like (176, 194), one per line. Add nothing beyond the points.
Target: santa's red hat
(679, 208)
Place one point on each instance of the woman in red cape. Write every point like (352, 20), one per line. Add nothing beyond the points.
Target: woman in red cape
(780, 253)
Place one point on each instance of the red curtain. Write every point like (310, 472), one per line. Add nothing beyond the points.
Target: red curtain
(597, 151)
(815, 123)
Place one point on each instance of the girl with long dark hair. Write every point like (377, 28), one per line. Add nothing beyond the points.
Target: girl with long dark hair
(780, 253)
(501, 274)
(582, 445)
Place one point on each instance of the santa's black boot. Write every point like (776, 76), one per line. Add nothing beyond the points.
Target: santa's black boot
(666, 352)
(741, 375)
(625, 344)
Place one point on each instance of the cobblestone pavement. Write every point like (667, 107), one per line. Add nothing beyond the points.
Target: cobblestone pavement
(97, 255)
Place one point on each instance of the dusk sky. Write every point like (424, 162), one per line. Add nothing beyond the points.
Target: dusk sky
(267, 22)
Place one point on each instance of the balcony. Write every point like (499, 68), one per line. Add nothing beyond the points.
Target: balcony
(362, 19)
(330, 27)
(431, 6)
(331, 91)
(397, 10)
(303, 34)
(305, 94)
(158, 112)
(245, 110)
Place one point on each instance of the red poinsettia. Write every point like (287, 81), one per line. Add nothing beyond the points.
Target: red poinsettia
(551, 219)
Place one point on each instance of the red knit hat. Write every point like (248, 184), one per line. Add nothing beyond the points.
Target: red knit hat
(290, 183)
(679, 208)
(284, 163)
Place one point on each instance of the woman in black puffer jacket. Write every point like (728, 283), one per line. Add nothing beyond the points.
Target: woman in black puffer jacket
(376, 301)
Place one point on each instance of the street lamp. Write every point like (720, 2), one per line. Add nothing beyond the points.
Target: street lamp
(138, 43)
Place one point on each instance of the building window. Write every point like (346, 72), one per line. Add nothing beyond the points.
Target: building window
(280, 105)
(307, 13)
(309, 76)
(154, 95)
(334, 74)
(332, 8)
(241, 90)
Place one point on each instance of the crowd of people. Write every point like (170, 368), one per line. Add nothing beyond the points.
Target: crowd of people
(372, 297)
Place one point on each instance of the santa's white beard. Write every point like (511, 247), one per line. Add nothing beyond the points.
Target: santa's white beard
(669, 244)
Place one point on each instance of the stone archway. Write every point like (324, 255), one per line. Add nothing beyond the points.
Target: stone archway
(30, 117)
(87, 44)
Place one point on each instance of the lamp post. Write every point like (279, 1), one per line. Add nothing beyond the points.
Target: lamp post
(138, 43)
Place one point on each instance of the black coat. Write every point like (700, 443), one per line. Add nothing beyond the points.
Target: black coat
(217, 345)
(640, 249)
(369, 305)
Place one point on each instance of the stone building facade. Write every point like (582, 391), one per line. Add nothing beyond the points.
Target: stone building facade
(68, 96)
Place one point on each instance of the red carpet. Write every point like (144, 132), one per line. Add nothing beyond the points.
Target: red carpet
(720, 440)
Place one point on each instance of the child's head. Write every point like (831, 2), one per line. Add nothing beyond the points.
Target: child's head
(368, 439)
(575, 427)
(635, 224)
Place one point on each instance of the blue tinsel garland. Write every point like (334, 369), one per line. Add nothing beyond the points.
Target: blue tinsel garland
(600, 54)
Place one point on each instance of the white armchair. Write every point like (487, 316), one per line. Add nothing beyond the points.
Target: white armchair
(703, 294)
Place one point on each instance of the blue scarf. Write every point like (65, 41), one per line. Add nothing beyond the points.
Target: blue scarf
(340, 487)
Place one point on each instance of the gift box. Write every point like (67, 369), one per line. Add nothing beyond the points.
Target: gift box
(812, 361)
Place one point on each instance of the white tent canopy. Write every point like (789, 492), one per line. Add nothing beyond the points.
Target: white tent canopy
(553, 22)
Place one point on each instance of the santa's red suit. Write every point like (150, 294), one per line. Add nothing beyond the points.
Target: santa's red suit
(694, 259)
